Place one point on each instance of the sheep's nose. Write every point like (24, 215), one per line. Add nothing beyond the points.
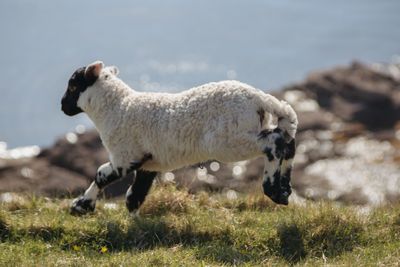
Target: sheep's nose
(63, 104)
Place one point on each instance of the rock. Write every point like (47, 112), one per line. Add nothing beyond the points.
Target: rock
(83, 156)
(357, 107)
(65, 169)
(39, 177)
(355, 94)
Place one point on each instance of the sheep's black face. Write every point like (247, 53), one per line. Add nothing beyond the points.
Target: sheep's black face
(77, 84)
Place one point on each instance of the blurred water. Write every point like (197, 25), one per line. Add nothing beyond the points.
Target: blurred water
(172, 45)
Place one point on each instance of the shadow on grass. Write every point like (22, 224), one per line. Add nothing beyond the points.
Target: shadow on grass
(332, 235)
(291, 244)
(223, 252)
(47, 234)
(328, 235)
(294, 241)
(4, 230)
(396, 221)
(141, 234)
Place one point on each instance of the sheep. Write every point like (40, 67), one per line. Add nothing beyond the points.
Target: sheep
(147, 133)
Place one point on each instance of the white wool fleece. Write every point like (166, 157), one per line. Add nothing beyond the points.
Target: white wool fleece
(219, 121)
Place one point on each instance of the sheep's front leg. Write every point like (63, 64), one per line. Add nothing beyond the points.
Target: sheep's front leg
(105, 176)
(138, 191)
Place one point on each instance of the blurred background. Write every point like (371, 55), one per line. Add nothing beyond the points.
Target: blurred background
(349, 132)
(170, 46)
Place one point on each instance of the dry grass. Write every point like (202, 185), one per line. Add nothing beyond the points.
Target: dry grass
(179, 229)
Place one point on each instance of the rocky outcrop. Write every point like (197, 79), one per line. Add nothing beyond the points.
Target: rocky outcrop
(356, 94)
(82, 156)
(347, 147)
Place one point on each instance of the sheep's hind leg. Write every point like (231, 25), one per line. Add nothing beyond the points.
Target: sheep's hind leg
(287, 165)
(275, 186)
(138, 191)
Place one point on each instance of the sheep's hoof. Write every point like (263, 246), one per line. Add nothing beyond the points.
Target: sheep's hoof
(81, 206)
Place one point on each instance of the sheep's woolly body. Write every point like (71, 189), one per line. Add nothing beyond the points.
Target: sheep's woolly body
(219, 121)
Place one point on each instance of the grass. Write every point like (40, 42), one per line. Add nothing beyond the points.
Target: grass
(178, 229)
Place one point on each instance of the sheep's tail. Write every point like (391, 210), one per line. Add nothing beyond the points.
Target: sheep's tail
(287, 117)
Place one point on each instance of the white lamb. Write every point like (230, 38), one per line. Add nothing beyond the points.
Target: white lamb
(157, 132)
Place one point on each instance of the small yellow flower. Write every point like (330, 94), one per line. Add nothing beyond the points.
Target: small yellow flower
(76, 248)
(104, 249)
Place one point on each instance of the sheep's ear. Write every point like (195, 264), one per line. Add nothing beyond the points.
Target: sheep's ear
(114, 70)
(92, 72)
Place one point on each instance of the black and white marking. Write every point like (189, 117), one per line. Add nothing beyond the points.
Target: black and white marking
(106, 175)
(278, 165)
(86, 203)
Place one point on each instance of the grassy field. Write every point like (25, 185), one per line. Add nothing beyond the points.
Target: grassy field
(178, 229)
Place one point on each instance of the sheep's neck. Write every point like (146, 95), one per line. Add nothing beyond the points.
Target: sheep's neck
(106, 109)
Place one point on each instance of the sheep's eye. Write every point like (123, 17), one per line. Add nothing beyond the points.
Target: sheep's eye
(72, 88)
(106, 77)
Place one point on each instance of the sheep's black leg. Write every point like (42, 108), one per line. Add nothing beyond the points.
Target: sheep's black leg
(276, 183)
(138, 191)
(286, 167)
